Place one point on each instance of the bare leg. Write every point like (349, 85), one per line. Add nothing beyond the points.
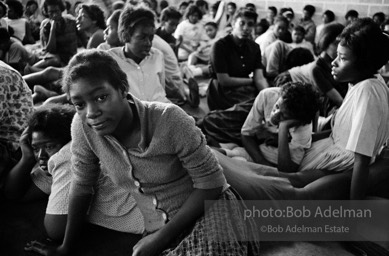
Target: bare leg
(337, 186)
(52, 62)
(42, 94)
(44, 76)
(333, 186)
(301, 179)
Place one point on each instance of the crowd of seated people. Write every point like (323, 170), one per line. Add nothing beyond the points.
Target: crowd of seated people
(293, 111)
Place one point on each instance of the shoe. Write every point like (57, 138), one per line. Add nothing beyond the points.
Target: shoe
(194, 95)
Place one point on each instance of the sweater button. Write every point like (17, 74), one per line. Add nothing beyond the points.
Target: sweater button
(137, 183)
(155, 201)
(164, 216)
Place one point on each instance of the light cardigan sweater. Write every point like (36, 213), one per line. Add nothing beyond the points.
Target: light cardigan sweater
(170, 161)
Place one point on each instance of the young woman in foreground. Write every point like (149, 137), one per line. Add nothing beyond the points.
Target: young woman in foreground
(156, 152)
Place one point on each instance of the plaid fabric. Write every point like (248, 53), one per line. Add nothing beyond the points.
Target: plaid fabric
(222, 232)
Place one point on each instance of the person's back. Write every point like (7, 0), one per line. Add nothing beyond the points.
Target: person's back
(16, 105)
(14, 53)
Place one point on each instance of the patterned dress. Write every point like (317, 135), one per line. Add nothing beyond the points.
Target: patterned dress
(15, 105)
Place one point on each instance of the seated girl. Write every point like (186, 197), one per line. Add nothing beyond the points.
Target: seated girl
(203, 52)
(90, 20)
(360, 127)
(154, 151)
(190, 32)
(286, 113)
(46, 151)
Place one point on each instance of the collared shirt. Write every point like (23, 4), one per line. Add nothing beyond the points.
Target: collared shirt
(146, 79)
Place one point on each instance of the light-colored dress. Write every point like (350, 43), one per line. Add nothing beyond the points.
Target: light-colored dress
(361, 125)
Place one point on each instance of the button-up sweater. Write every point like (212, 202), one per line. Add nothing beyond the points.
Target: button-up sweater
(170, 161)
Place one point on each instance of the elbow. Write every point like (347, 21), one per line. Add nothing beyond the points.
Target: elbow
(55, 226)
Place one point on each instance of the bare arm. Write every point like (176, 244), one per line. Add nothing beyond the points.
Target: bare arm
(51, 43)
(228, 81)
(335, 97)
(285, 163)
(252, 148)
(28, 39)
(78, 206)
(190, 211)
(259, 80)
(18, 181)
(360, 177)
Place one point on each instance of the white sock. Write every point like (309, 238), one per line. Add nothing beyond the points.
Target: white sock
(195, 70)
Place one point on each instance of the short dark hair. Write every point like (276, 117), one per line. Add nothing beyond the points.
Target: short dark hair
(301, 100)
(367, 43)
(54, 120)
(264, 24)
(183, 3)
(115, 16)
(169, 13)
(251, 6)
(287, 9)
(297, 57)
(310, 9)
(330, 14)
(328, 35)
(245, 12)
(192, 9)
(201, 3)
(351, 13)
(95, 13)
(31, 2)
(131, 17)
(16, 6)
(380, 15)
(211, 23)
(58, 3)
(94, 65)
(281, 18)
(4, 35)
(273, 9)
(299, 28)
(163, 4)
(232, 4)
